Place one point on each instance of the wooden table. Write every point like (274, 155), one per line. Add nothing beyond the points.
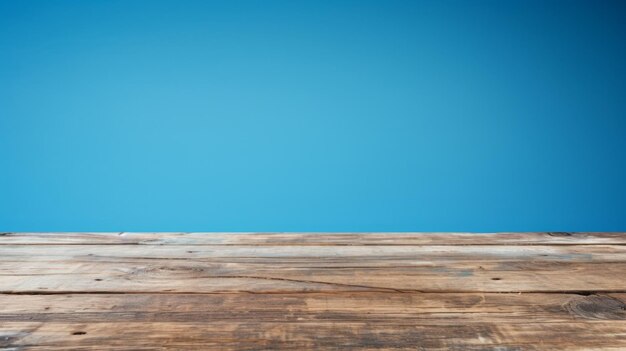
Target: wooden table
(145, 291)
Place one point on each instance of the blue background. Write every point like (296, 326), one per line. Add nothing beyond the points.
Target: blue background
(312, 115)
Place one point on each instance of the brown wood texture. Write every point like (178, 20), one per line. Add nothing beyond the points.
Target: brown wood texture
(288, 291)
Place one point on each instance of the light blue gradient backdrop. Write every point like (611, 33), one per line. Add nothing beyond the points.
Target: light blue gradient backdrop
(312, 115)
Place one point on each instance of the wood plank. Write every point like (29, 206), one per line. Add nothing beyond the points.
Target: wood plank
(315, 239)
(571, 269)
(359, 321)
(200, 278)
(424, 253)
(423, 308)
(251, 335)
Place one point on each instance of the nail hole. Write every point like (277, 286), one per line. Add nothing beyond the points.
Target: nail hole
(98, 279)
(496, 278)
(79, 333)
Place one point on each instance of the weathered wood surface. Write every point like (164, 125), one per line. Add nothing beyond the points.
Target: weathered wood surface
(148, 291)
(315, 239)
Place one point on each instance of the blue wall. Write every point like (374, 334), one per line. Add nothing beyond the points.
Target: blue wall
(312, 115)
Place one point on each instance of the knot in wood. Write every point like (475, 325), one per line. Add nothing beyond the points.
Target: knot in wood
(558, 234)
(597, 307)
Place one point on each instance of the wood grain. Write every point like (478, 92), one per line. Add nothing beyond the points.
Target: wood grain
(150, 291)
(315, 239)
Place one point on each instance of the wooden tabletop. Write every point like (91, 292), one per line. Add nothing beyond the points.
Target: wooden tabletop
(365, 291)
